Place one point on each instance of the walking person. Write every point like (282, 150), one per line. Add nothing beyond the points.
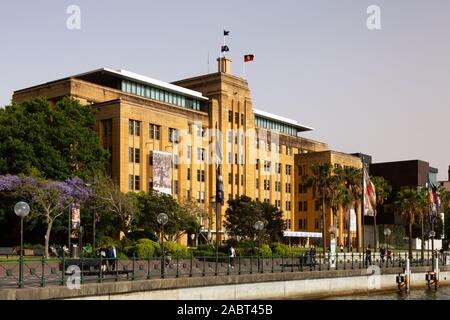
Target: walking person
(112, 257)
(382, 254)
(103, 257)
(232, 253)
(368, 260)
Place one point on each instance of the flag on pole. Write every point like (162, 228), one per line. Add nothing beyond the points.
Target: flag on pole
(225, 49)
(226, 32)
(220, 196)
(249, 57)
(433, 193)
(369, 195)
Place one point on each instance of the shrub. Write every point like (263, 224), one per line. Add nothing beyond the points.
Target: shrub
(175, 249)
(279, 249)
(145, 248)
(264, 250)
(108, 241)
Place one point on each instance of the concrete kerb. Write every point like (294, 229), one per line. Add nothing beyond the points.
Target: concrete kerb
(124, 287)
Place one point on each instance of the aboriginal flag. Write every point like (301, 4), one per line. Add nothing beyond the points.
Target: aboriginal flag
(249, 57)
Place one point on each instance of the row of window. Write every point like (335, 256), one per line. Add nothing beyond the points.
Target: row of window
(268, 147)
(277, 185)
(268, 164)
(236, 117)
(160, 95)
(274, 125)
(236, 179)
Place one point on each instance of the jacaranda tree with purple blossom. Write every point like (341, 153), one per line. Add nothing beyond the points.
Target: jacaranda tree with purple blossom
(51, 198)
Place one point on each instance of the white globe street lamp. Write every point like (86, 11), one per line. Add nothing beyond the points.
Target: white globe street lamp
(21, 209)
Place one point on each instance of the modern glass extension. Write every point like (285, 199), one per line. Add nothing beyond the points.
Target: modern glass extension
(160, 95)
(276, 126)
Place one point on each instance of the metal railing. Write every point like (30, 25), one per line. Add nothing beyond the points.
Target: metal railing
(45, 272)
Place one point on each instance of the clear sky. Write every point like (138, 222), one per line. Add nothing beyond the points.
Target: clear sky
(382, 92)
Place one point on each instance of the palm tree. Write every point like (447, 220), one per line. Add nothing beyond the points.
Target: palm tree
(423, 205)
(407, 202)
(353, 177)
(321, 183)
(382, 191)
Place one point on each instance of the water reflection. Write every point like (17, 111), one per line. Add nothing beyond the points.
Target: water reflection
(417, 294)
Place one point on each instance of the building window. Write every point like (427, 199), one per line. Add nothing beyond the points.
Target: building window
(175, 186)
(257, 183)
(134, 127)
(175, 161)
(189, 173)
(134, 155)
(278, 167)
(154, 131)
(266, 166)
(242, 119)
(201, 175)
(288, 224)
(137, 155)
(300, 188)
(200, 154)
(230, 178)
(257, 164)
(288, 150)
(277, 186)
(316, 224)
(242, 179)
(230, 136)
(230, 158)
(189, 152)
(257, 143)
(305, 205)
(130, 182)
(266, 184)
(137, 183)
(300, 171)
(200, 197)
(200, 132)
(173, 135)
(288, 169)
(236, 179)
(288, 188)
(236, 158)
(236, 118)
(300, 206)
(278, 204)
(188, 194)
(300, 224)
(230, 116)
(130, 154)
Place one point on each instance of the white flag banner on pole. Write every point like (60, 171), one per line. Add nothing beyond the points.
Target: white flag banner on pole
(352, 220)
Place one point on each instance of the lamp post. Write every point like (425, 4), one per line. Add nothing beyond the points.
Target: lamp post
(387, 233)
(259, 225)
(432, 235)
(21, 209)
(332, 230)
(162, 219)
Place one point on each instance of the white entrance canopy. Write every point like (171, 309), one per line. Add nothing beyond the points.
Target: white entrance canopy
(299, 234)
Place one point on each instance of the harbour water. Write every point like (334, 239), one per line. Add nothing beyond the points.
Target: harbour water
(442, 293)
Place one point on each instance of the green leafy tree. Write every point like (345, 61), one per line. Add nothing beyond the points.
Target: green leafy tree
(120, 206)
(57, 141)
(241, 215)
(150, 205)
(243, 212)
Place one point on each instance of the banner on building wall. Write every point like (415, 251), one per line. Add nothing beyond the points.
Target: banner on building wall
(352, 220)
(162, 171)
(75, 221)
